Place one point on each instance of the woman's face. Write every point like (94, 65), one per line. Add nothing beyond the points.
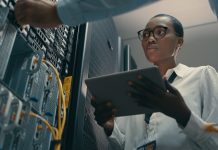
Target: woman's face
(161, 50)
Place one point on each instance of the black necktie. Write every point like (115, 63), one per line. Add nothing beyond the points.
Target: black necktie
(172, 77)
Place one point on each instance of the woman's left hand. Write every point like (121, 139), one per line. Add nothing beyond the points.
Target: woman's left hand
(170, 102)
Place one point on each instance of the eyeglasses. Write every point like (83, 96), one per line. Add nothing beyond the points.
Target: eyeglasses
(158, 32)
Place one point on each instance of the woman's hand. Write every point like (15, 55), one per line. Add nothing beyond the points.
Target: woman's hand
(169, 102)
(37, 13)
(104, 115)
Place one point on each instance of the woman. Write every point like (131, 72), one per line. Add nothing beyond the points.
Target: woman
(181, 114)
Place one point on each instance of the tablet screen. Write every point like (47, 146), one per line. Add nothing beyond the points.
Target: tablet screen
(114, 87)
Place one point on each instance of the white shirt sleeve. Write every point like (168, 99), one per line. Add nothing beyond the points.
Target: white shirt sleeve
(75, 12)
(195, 127)
(117, 139)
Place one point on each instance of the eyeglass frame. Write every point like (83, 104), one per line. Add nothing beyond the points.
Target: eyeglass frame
(141, 37)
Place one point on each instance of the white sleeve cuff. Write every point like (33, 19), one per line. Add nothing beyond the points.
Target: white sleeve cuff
(117, 138)
(195, 128)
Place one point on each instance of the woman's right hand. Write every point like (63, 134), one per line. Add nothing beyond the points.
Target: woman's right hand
(104, 115)
(37, 13)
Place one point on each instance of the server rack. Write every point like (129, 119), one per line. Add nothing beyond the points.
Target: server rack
(28, 85)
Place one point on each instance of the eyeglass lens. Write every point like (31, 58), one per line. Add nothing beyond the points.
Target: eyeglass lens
(158, 33)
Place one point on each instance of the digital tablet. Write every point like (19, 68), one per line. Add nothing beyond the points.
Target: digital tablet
(114, 87)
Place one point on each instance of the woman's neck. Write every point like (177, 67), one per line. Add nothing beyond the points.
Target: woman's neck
(164, 66)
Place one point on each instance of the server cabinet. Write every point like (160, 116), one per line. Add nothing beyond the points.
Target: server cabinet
(29, 86)
(98, 54)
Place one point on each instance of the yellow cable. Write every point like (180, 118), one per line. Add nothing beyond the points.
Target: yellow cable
(46, 123)
(59, 110)
(61, 100)
(56, 131)
(61, 94)
(64, 107)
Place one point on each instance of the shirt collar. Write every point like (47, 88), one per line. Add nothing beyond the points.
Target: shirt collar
(180, 70)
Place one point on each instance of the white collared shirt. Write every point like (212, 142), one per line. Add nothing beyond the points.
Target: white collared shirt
(199, 88)
(75, 12)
